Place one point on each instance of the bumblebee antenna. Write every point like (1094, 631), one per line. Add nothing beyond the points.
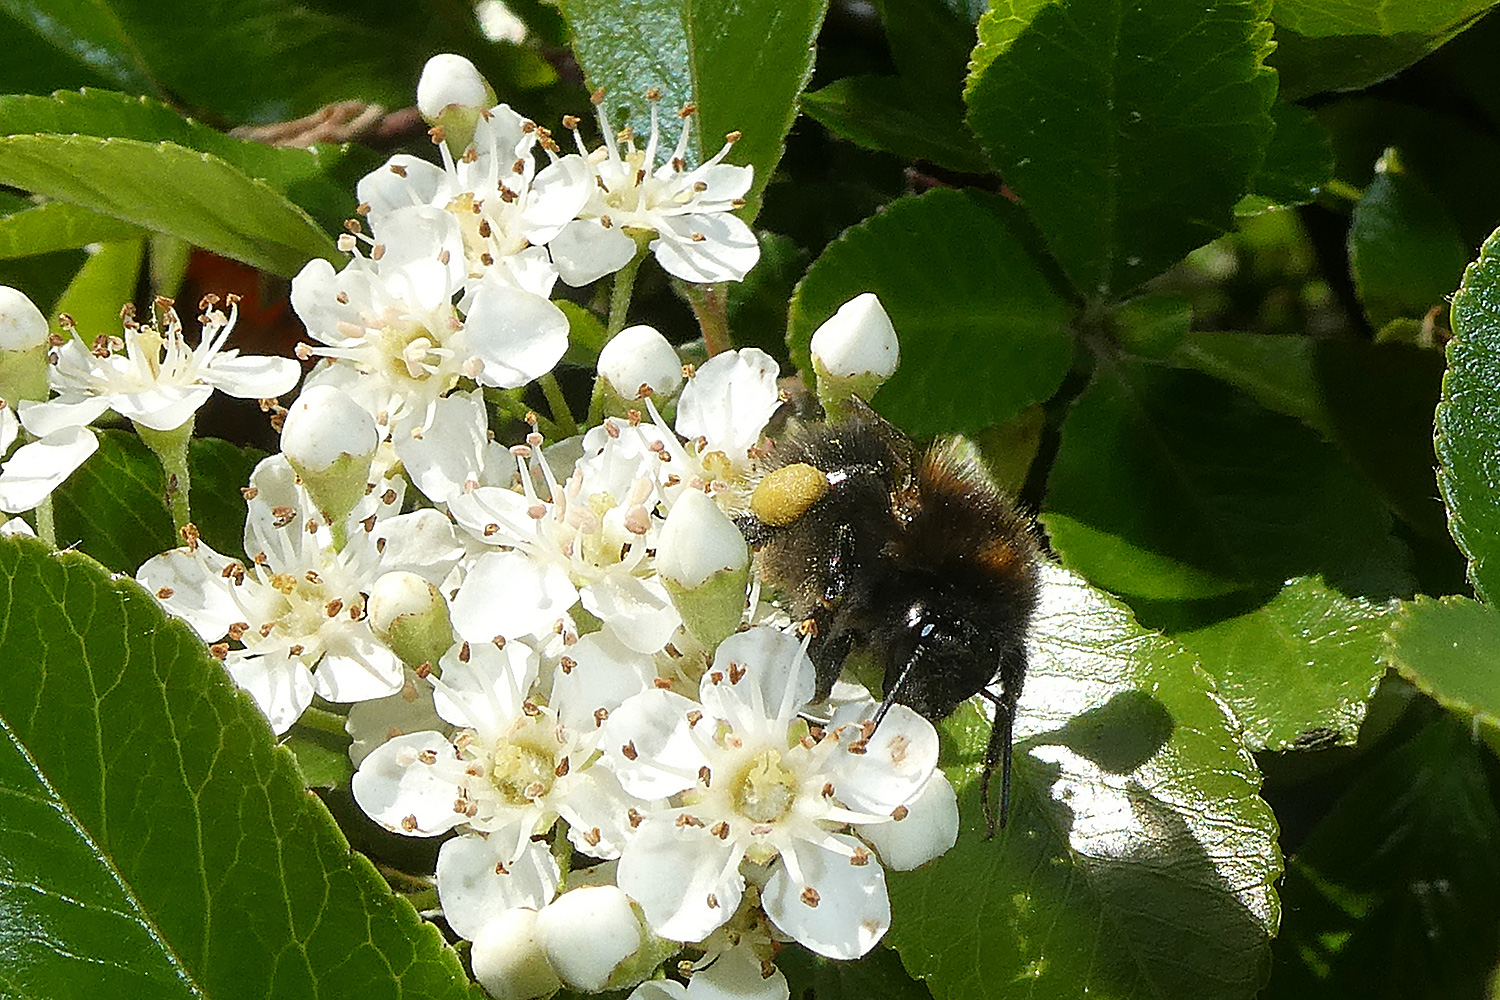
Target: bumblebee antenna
(997, 751)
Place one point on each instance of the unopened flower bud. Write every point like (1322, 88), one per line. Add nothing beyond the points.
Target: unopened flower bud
(704, 563)
(638, 356)
(854, 352)
(23, 348)
(451, 95)
(330, 440)
(508, 959)
(410, 616)
(587, 933)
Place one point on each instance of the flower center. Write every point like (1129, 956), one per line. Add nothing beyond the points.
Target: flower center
(521, 773)
(765, 790)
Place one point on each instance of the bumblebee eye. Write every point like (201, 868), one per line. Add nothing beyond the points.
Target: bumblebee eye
(786, 493)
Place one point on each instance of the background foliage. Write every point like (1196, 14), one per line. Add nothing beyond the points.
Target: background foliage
(1183, 272)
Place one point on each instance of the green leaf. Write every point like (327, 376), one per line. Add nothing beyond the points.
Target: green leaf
(157, 842)
(91, 35)
(1450, 648)
(322, 758)
(1299, 162)
(1393, 893)
(1372, 400)
(1309, 66)
(1128, 130)
(1169, 484)
(1138, 860)
(743, 65)
(1405, 251)
(114, 509)
(169, 188)
(983, 329)
(1299, 669)
(757, 305)
(1467, 428)
(888, 113)
(58, 225)
(309, 176)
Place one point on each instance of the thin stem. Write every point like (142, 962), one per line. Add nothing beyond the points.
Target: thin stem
(171, 448)
(619, 297)
(562, 414)
(1343, 189)
(562, 850)
(322, 720)
(46, 529)
(711, 307)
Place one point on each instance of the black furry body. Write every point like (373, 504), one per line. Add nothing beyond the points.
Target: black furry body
(916, 556)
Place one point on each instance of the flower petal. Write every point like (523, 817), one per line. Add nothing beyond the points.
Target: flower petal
(649, 743)
(509, 594)
(196, 589)
(929, 828)
(760, 679)
(891, 767)
(42, 419)
(486, 691)
(705, 248)
(252, 377)
(450, 450)
(515, 334)
(279, 682)
(686, 880)
(637, 611)
(585, 250)
(36, 469)
(398, 790)
(729, 400)
(604, 673)
(836, 908)
(475, 880)
(737, 975)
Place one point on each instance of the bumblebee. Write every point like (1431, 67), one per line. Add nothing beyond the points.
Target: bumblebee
(914, 555)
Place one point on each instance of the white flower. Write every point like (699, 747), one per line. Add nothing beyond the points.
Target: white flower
(477, 877)
(504, 207)
(732, 974)
(587, 932)
(298, 608)
(22, 325)
(154, 377)
(697, 236)
(508, 960)
(392, 325)
(587, 540)
(512, 768)
(750, 782)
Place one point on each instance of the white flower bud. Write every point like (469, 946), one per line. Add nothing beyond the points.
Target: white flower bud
(22, 325)
(587, 933)
(330, 440)
(640, 356)
(854, 352)
(508, 959)
(451, 79)
(410, 616)
(23, 348)
(704, 563)
(324, 424)
(858, 340)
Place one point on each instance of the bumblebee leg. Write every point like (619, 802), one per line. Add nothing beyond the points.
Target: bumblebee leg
(828, 650)
(998, 751)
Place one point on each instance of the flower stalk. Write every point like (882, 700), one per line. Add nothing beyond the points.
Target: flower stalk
(171, 449)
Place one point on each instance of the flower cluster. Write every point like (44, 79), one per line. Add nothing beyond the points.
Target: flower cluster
(552, 655)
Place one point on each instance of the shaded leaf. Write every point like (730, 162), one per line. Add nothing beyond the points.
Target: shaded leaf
(169, 188)
(1373, 400)
(157, 842)
(1298, 163)
(1172, 485)
(90, 35)
(983, 330)
(742, 65)
(1467, 427)
(1450, 648)
(1298, 670)
(890, 114)
(1405, 252)
(878, 974)
(1138, 860)
(1393, 893)
(1128, 130)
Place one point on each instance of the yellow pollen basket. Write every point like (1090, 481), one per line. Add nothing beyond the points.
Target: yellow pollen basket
(785, 494)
